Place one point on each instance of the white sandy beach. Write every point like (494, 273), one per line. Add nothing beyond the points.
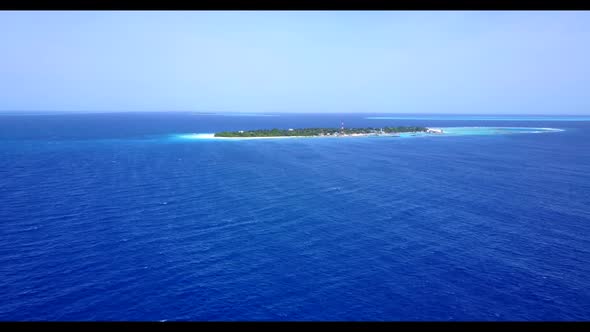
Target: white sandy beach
(212, 136)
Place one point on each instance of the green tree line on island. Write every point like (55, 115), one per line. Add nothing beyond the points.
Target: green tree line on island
(317, 131)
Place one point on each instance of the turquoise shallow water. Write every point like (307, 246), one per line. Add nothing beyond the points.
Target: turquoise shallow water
(458, 131)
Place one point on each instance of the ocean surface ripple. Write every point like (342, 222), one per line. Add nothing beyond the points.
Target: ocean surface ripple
(104, 217)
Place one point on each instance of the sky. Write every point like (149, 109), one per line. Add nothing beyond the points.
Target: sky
(487, 62)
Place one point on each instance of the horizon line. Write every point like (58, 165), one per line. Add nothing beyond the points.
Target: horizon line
(276, 112)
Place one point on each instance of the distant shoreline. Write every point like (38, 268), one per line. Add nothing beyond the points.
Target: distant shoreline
(446, 131)
(429, 131)
(212, 136)
(327, 132)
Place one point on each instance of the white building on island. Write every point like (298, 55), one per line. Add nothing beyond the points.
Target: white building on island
(434, 130)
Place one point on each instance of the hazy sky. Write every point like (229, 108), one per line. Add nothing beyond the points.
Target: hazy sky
(307, 61)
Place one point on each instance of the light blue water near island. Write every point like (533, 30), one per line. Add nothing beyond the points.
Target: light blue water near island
(123, 216)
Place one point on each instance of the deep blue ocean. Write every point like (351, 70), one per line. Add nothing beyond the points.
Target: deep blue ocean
(116, 217)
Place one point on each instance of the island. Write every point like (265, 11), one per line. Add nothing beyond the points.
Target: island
(306, 132)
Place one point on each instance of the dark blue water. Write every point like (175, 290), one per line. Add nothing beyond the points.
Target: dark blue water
(106, 217)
